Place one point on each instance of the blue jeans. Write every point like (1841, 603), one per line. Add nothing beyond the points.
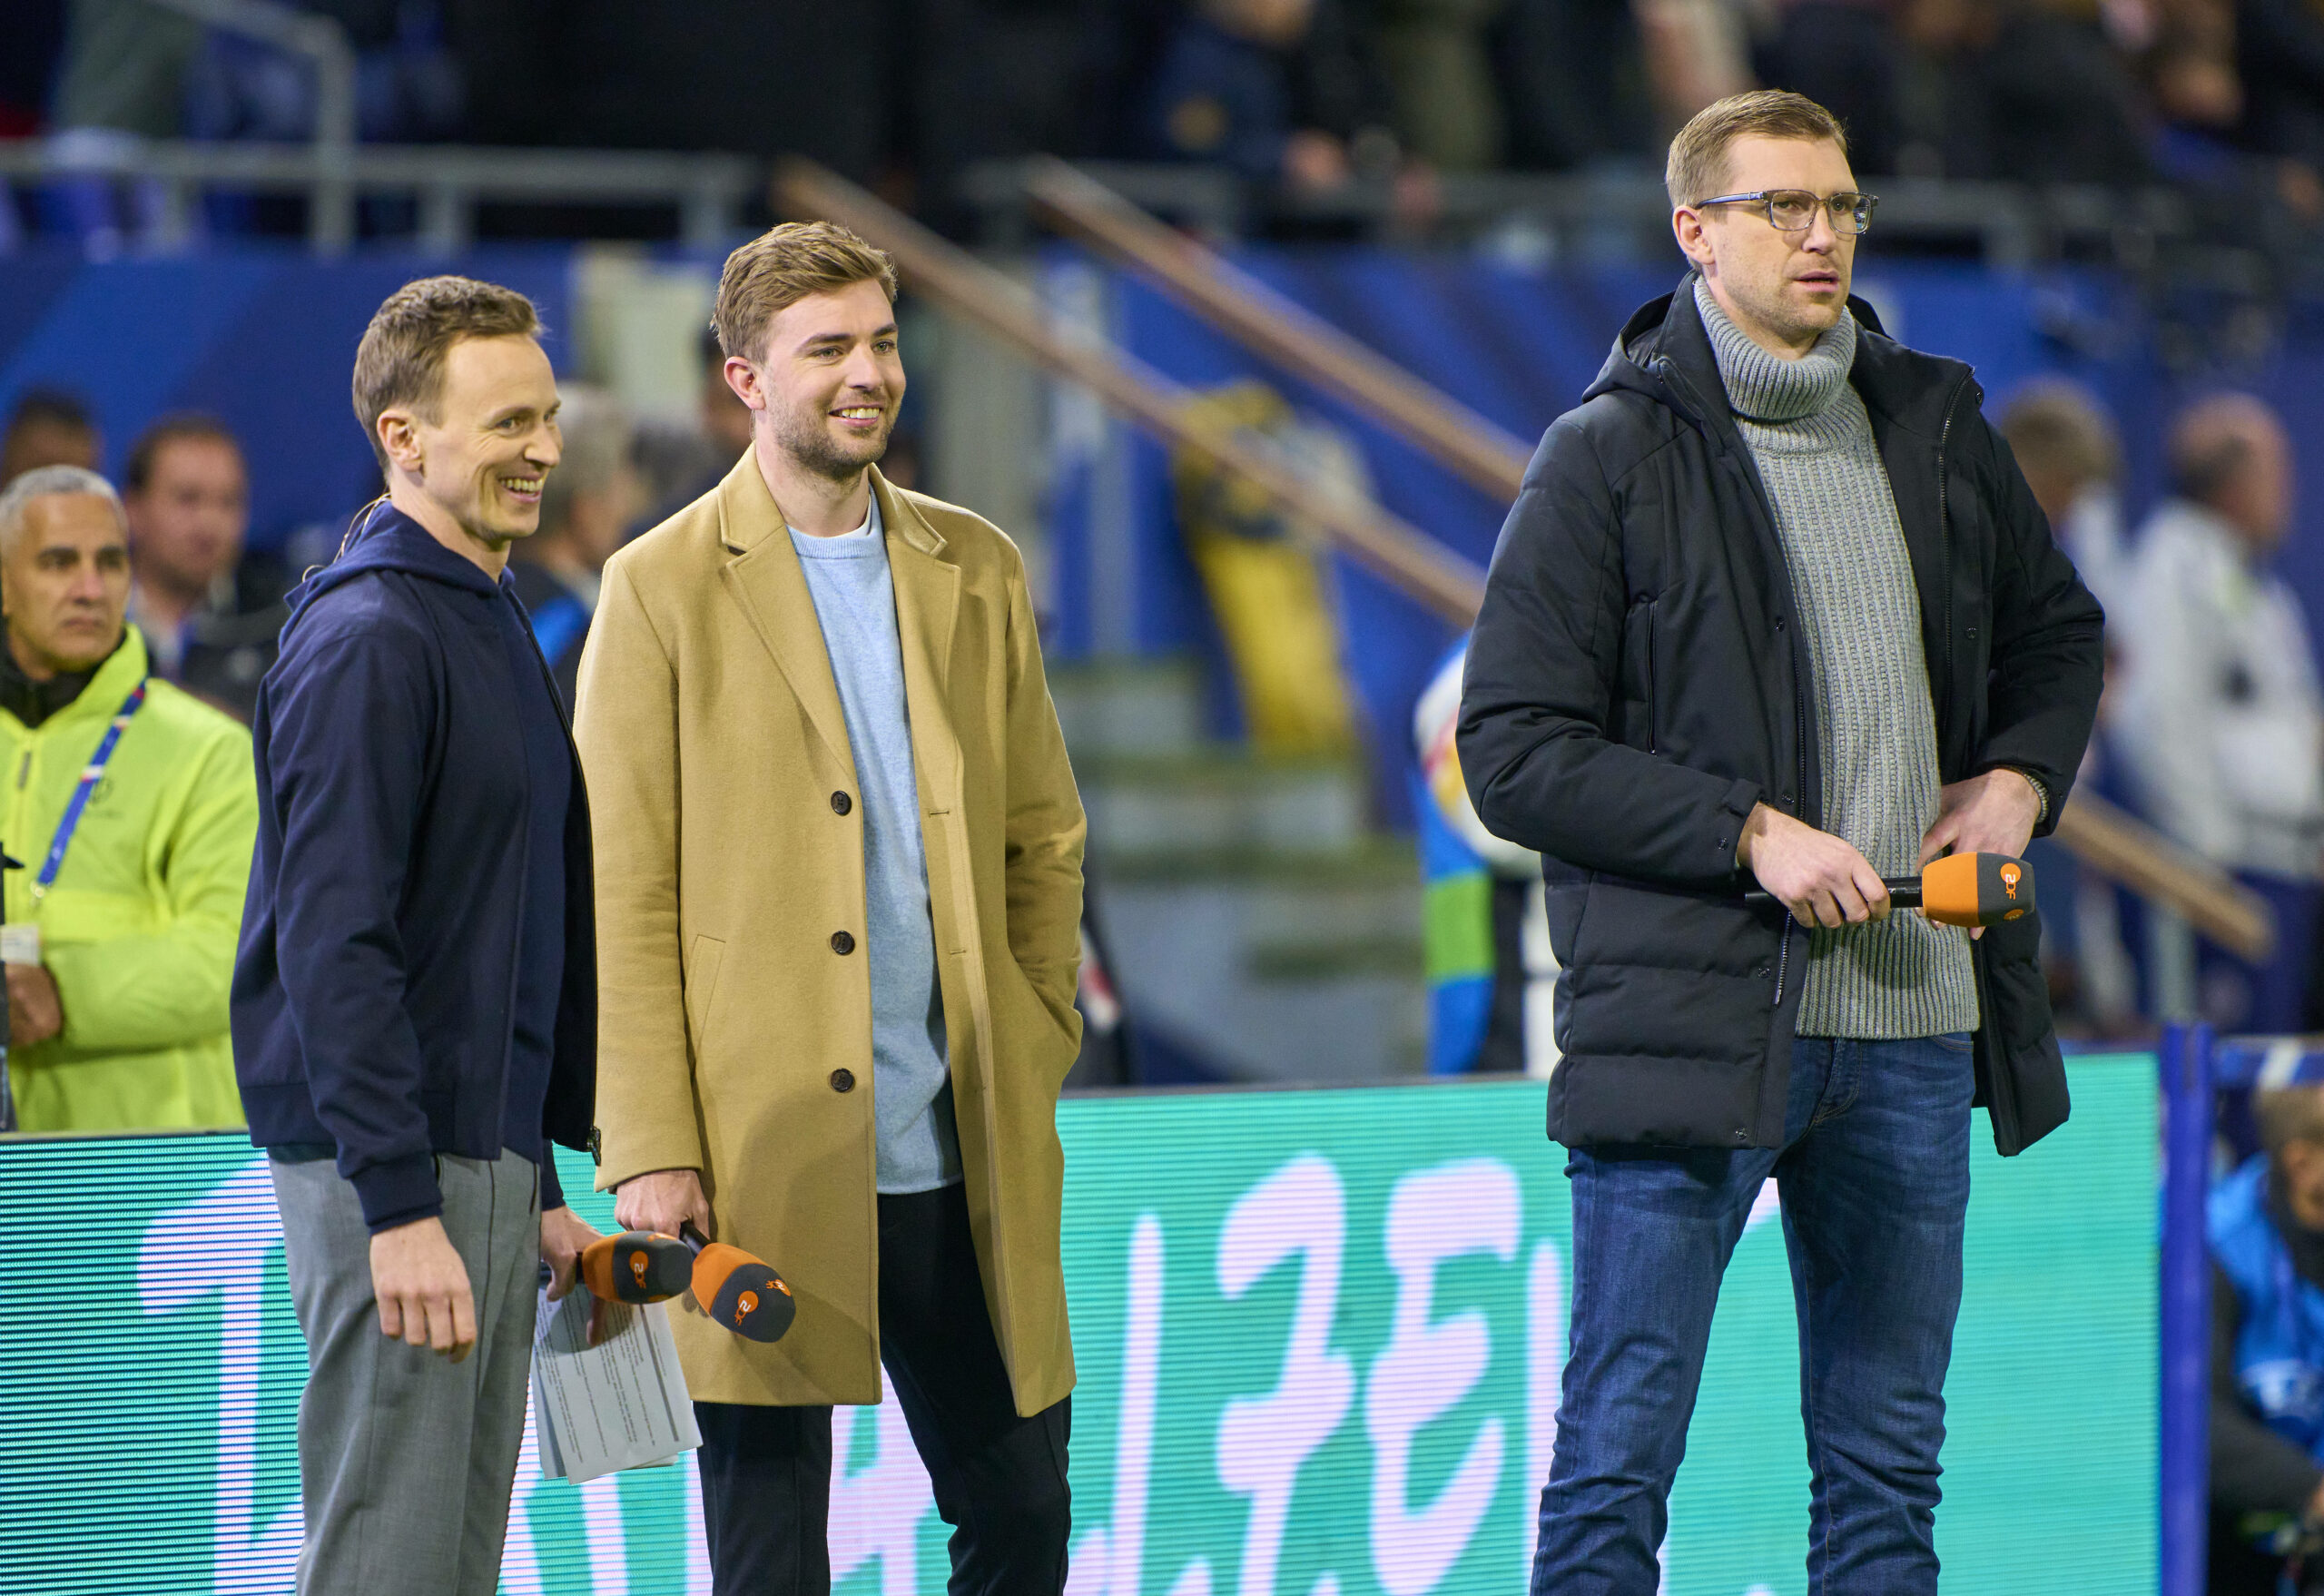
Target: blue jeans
(1874, 1174)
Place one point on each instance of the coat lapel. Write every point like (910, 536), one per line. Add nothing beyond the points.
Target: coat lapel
(928, 606)
(766, 581)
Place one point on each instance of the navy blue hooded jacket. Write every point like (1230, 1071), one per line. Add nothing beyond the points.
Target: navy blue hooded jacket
(375, 995)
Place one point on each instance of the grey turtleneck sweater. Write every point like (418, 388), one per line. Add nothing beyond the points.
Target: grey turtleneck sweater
(1853, 580)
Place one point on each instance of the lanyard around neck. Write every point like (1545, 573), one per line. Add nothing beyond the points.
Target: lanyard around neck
(90, 774)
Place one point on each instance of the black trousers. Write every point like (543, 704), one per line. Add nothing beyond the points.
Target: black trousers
(766, 1472)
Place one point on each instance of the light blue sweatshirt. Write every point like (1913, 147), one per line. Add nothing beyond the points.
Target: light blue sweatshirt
(855, 603)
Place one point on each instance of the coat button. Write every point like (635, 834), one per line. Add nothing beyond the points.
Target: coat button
(841, 943)
(1779, 622)
(842, 804)
(842, 1081)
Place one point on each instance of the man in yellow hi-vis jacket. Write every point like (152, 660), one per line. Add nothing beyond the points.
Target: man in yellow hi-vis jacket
(132, 807)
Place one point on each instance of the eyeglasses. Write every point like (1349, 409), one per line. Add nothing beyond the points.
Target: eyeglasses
(1793, 210)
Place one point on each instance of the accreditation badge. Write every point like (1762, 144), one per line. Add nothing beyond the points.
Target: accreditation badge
(20, 944)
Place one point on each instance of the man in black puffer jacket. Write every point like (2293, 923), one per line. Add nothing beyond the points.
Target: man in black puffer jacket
(1774, 602)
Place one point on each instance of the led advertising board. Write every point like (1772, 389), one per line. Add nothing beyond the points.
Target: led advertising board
(1319, 1335)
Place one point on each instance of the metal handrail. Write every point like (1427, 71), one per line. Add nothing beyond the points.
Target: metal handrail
(1285, 332)
(2016, 225)
(2106, 838)
(448, 180)
(951, 277)
(322, 41)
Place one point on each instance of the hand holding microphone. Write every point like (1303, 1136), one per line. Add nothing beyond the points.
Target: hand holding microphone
(1971, 890)
(740, 1292)
(664, 1201)
(637, 1267)
(1820, 878)
(666, 1249)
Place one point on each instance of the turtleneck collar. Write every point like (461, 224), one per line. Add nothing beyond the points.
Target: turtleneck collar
(1762, 387)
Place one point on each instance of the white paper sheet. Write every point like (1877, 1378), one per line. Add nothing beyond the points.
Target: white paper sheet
(619, 1404)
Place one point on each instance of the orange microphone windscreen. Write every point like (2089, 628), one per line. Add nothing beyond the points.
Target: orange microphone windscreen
(1977, 889)
(740, 1292)
(637, 1267)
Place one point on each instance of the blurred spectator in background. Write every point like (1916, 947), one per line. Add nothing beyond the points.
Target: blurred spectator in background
(121, 80)
(677, 465)
(1446, 103)
(2280, 64)
(49, 426)
(36, 34)
(1278, 90)
(137, 806)
(1573, 85)
(1694, 53)
(615, 75)
(590, 502)
(2072, 457)
(2029, 91)
(2219, 715)
(209, 610)
(123, 67)
(1484, 923)
(1846, 54)
(2266, 1227)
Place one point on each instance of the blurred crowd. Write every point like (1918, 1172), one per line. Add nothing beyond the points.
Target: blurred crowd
(138, 600)
(2212, 726)
(1304, 93)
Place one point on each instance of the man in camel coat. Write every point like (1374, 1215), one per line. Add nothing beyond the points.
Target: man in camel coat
(839, 895)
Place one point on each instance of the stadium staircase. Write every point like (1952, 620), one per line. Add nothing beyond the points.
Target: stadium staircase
(1254, 916)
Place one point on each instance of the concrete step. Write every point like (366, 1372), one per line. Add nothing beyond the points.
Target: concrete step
(1281, 967)
(1129, 706)
(1218, 800)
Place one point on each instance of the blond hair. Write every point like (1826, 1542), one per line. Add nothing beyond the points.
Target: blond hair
(400, 360)
(2058, 427)
(1697, 168)
(2287, 1114)
(598, 439)
(783, 266)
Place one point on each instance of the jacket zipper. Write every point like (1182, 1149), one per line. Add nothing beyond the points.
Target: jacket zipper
(1670, 376)
(1945, 521)
(1653, 700)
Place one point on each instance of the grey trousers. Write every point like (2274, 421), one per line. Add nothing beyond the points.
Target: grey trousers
(406, 1460)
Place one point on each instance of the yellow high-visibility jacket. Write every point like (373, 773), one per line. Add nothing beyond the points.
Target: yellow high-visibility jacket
(139, 928)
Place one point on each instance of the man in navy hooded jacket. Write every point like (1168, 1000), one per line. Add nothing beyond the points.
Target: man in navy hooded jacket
(414, 1006)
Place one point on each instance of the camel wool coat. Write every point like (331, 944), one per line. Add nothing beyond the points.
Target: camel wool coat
(735, 1036)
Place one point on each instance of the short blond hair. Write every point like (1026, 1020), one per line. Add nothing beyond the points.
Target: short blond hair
(2058, 427)
(400, 360)
(783, 266)
(1697, 168)
(2287, 1114)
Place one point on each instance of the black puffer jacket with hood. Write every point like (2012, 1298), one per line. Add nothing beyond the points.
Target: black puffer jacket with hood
(1637, 681)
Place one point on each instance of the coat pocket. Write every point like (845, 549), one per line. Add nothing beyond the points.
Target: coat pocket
(701, 978)
(1062, 1037)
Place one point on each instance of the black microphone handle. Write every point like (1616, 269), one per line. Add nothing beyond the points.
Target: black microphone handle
(695, 1239)
(1902, 894)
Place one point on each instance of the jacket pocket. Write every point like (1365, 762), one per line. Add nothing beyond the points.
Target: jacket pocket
(1063, 1035)
(1653, 729)
(701, 978)
(1639, 678)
